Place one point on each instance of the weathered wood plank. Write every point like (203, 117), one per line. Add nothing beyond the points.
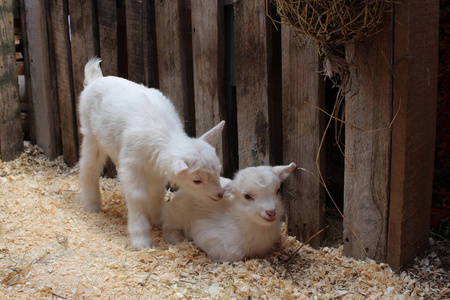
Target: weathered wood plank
(84, 42)
(188, 5)
(11, 142)
(368, 106)
(413, 136)
(43, 106)
(109, 52)
(107, 32)
(252, 81)
(172, 57)
(137, 40)
(303, 127)
(58, 11)
(208, 57)
(53, 80)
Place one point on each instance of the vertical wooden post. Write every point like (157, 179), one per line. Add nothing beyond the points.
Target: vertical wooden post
(303, 127)
(413, 136)
(172, 60)
(37, 56)
(83, 41)
(11, 143)
(107, 35)
(253, 55)
(208, 56)
(137, 14)
(58, 11)
(108, 44)
(368, 106)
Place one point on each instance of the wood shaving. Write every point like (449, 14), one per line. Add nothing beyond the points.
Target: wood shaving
(51, 248)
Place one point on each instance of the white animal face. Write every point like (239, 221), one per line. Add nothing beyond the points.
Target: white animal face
(199, 172)
(204, 185)
(257, 190)
(262, 204)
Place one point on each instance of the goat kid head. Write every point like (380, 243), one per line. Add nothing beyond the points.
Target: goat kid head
(198, 172)
(256, 191)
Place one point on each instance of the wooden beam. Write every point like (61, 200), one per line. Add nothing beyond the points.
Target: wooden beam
(137, 40)
(303, 127)
(84, 42)
(11, 140)
(107, 33)
(53, 80)
(109, 52)
(253, 56)
(58, 11)
(188, 5)
(208, 57)
(172, 56)
(413, 136)
(368, 106)
(43, 106)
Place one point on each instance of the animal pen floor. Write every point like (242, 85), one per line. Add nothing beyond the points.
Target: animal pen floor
(51, 248)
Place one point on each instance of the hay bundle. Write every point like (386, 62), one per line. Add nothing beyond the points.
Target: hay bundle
(333, 24)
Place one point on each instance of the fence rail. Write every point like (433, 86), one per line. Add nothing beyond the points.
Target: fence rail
(226, 60)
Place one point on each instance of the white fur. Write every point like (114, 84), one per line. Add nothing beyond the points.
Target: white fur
(140, 130)
(235, 227)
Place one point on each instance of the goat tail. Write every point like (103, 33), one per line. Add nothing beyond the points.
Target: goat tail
(92, 71)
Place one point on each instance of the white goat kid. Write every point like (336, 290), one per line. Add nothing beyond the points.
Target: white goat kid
(142, 133)
(245, 223)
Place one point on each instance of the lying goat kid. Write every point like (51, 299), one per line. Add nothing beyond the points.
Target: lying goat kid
(142, 133)
(246, 223)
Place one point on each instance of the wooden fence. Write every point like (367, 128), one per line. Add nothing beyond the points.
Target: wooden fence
(219, 59)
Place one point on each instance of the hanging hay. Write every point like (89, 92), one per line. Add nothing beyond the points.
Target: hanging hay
(333, 24)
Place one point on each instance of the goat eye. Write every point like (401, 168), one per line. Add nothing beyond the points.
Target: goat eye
(248, 197)
(197, 181)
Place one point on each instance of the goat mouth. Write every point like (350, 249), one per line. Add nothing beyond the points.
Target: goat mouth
(214, 199)
(270, 219)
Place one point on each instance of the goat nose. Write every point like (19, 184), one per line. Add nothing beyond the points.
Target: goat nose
(271, 212)
(220, 194)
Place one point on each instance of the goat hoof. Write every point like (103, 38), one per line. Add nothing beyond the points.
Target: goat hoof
(141, 243)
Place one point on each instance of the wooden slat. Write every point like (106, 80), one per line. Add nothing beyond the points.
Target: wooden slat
(208, 56)
(252, 81)
(53, 81)
(172, 60)
(108, 43)
(303, 127)
(137, 40)
(368, 106)
(43, 107)
(58, 11)
(188, 5)
(107, 27)
(11, 143)
(413, 136)
(84, 42)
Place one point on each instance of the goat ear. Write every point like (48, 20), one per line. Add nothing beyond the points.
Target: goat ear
(227, 189)
(284, 171)
(213, 135)
(179, 166)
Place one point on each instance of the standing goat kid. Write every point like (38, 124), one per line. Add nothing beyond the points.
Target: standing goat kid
(246, 223)
(139, 129)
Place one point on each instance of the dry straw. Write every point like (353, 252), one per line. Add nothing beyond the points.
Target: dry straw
(333, 24)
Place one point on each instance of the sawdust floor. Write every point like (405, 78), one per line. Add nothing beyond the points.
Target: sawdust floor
(51, 248)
